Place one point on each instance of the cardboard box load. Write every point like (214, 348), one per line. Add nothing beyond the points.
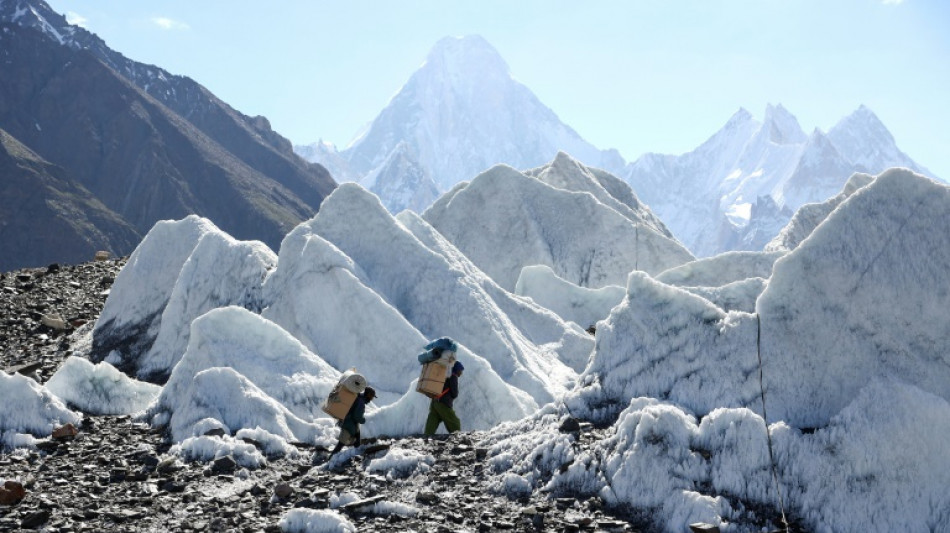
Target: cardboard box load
(343, 395)
(338, 403)
(432, 378)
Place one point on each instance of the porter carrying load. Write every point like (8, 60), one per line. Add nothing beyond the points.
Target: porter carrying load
(437, 359)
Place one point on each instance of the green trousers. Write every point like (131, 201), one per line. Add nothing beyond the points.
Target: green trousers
(441, 413)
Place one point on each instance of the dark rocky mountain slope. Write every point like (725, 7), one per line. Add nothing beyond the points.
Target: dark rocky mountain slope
(45, 216)
(147, 144)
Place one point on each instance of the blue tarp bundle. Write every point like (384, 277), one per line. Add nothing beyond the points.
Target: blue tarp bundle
(435, 348)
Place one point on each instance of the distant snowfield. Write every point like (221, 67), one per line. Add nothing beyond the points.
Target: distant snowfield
(847, 322)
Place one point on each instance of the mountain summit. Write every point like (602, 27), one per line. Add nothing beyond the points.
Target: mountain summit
(735, 190)
(459, 114)
(864, 140)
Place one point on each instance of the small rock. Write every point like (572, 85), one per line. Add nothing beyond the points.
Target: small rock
(283, 491)
(48, 446)
(357, 505)
(125, 515)
(564, 503)
(173, 486)
(538, 521)
(253, 443)
(584, 521)
(595, 503)
(427, 498)
(167, 465)
(117, 475)
(461, 449)
(224, 464)
(11, 493)
(612, 525)
(66, 432)
(102, 255)
(26, 369)
(376, 448)
(570, 425)
(35, 520)
(308, 503)
(53, 321)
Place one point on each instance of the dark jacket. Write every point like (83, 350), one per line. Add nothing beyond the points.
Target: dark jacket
(354, 417)
(450, 391)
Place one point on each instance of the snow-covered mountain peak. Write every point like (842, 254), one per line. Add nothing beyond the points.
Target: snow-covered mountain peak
(460, 113)
(726, 143)
(865, 122)
(738, 118)
(747, 159)
(37, 15)
(401, 182)
(867, 143)
(816, 138)
(782, 126)
(463, 70)
(471, 53)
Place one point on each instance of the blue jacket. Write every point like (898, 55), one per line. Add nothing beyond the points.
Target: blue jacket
(354, 417)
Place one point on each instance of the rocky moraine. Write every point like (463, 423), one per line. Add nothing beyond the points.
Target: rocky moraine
(115, 472)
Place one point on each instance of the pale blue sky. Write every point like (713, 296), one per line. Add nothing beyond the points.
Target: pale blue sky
(651, 75)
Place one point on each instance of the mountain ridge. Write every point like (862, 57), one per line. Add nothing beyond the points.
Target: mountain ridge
(705, 196)
(148, 144)
(747, 160)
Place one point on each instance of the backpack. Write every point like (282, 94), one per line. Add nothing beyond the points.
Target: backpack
(343, 395)
(441, 350)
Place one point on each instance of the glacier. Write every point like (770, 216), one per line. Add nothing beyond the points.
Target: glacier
(812, 378)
